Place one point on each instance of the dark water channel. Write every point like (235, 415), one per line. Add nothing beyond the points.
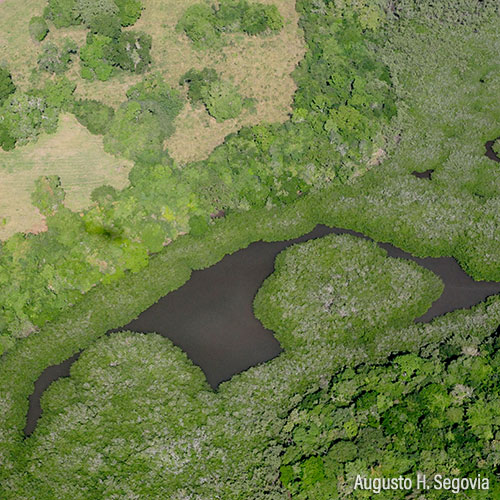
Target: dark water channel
(489, 150)
(211, 318)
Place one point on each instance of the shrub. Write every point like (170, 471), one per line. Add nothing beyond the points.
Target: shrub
(48, 194)
(7, 86)
(223, 100)
(204, 25)
(141, 125)
(131, 51)
(220, 97)
(57, 60)
(129, 11)
(7, 142)
(260, 18)
(90, 10)
(38, 28)
(198, 23)
(198, 83)
(63, 13)
(93, 61)
(94, 115)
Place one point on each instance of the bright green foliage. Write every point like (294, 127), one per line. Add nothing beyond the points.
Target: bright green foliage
(48, 194)
(157, 206)
(94, 115)
(7, 86)
(56, 60)
(38, 28)
(93, 62)
(58, 93)
(135, 134)
(429, 415)
(142, 124)
(129, 11)
(204, 24)
(198, 22)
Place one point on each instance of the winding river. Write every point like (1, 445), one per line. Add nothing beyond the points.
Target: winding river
(211, 317)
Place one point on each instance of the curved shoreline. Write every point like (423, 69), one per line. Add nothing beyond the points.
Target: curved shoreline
(213, 317)
(489, 150)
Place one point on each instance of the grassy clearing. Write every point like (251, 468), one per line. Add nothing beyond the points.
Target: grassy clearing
(260, 66)
(72, 153)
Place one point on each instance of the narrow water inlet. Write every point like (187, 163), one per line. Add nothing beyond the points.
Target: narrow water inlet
(211, 316)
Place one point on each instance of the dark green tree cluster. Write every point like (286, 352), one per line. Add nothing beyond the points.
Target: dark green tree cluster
(428, 415)
(204, 24)
(142, 123)
(220, 97)
(54, 59)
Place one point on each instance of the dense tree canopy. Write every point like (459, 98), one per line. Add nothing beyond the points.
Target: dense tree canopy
(426, 415)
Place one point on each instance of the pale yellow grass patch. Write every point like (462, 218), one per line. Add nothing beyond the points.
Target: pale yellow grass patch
(73, 154)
